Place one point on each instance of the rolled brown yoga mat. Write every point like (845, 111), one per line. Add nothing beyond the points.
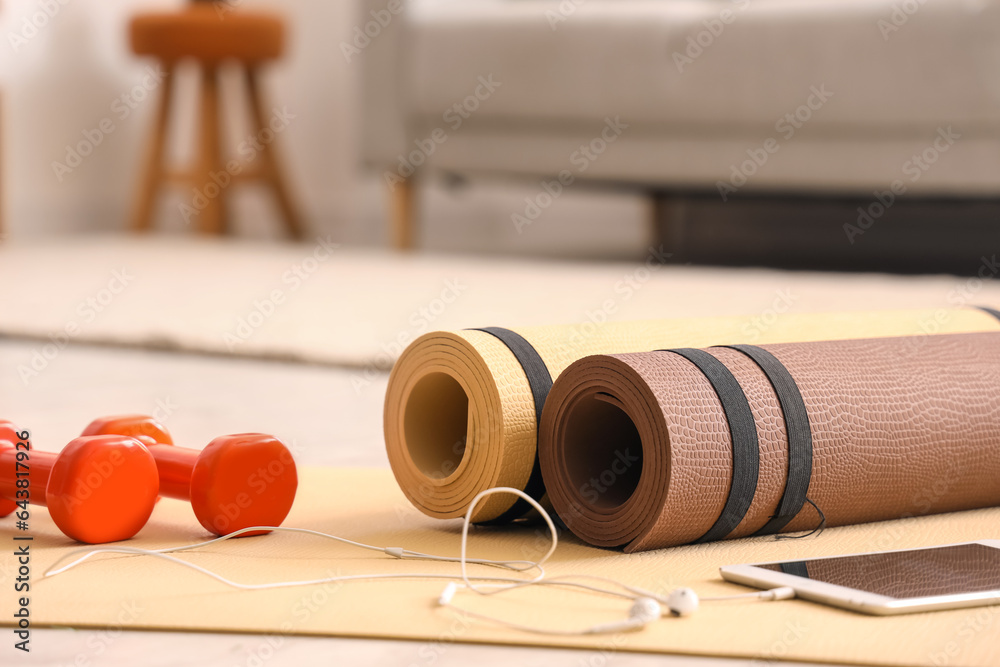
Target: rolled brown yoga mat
(663, 448)
(462, 407)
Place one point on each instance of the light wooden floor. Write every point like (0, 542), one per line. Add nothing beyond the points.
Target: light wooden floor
(327, 422)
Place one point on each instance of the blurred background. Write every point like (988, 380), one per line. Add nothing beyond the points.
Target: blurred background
(235, 214)
(67, 67)
(858, 134)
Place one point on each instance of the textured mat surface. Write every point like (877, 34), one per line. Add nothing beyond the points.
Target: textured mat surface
(460, 410)
(142, 593)
(642, 451)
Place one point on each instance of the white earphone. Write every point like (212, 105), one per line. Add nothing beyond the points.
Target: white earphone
(647, 606)
(643, 612)
(682, 601)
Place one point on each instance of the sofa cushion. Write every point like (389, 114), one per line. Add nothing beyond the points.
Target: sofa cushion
(900, 66)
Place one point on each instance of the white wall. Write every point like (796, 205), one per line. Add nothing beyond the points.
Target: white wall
(63, 81)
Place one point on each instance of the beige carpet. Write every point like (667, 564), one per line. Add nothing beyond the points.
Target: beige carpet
(144, 593)
(357, 307)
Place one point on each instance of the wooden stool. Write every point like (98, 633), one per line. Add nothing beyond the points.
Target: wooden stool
(200, 33)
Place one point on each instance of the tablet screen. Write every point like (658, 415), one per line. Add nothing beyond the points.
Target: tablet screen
(950, 570)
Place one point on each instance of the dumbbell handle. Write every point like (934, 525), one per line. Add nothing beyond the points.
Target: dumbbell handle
(176, 464)
(40, 467)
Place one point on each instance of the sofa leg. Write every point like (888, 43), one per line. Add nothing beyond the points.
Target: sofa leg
(667, 222)
(402, 207)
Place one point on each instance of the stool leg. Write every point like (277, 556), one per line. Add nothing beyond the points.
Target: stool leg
(212, 218)
(402, 196)
(149, 187)
(3, 234)
(270, 167)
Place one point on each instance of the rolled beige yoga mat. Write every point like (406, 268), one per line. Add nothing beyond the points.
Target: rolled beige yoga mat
(461, 414)
(657, 449)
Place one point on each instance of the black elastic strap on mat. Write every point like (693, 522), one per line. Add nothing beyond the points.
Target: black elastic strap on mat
(992, 311)
(796, 568)
(800, 452)
(743, 433)
(540, 381)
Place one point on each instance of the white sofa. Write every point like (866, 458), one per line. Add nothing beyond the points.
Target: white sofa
(813, 97)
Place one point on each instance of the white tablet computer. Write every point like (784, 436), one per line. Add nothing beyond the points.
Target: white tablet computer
(887, 582)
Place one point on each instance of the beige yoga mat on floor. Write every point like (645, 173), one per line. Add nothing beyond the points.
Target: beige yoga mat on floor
(460, 414)
(145, 593)
(657, 449)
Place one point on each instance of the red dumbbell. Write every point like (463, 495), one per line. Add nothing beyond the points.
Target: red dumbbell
(236, 482)
(98, 489)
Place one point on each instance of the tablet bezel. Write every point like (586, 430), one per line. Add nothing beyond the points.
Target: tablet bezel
(854, 599)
